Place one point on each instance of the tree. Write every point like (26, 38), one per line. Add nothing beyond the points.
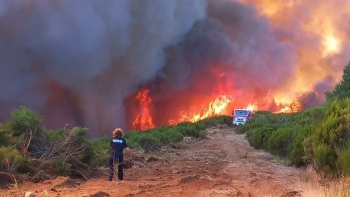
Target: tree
(341, 90)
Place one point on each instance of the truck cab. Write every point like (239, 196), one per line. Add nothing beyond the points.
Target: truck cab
(241, 116)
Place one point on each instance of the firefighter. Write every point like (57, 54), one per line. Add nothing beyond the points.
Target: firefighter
(118, 144)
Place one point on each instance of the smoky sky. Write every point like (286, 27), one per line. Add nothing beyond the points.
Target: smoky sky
(75, 62)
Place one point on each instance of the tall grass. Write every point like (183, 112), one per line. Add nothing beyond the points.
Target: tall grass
(312, 184)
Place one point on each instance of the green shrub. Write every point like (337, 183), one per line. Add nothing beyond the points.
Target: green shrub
(285, 133)
(184, 124)
(247, 127)
(279, 141)
(12, 161)
(173, 136)
(78, 139)
(25, 127)
(63, 168)
(154, 138)
(102, 143)
(222, 119)
(5, 138)
(199, 126)
(298, 155)
(212, 121)
(71, 144)
(24, 119)
(343, 161)
(330, 135)
(131, 138)
(325, 159)
(209, 122)
(191, 131)
(341, 90)
(55, 134)
(161, 135)
(261, 118)
(258, 138)
(131, 134)
(101, 148)
(148, 142)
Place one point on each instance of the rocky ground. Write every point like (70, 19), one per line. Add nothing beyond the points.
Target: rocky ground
(222, 165)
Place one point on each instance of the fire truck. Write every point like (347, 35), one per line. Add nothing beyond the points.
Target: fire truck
(241, 116)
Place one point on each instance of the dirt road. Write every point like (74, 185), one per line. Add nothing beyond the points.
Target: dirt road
(222, 165)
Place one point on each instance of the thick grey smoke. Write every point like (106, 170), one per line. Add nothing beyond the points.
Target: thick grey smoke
(234, 40)
(79, 62)
(233, 35)
(76, 61)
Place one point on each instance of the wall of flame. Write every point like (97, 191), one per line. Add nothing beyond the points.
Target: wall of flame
(316, 36)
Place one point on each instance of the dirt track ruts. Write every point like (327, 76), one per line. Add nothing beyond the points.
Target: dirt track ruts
(222, 165)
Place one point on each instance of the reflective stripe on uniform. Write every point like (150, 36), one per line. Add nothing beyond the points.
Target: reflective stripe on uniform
(117, 140)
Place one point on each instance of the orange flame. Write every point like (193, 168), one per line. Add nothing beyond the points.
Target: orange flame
(215, 107)
(295, 106)
(143, 120)
(323, 22)
(219, 106)
(220, 103)
(252, 106)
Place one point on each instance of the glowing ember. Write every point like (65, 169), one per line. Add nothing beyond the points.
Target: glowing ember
(143, 120)
(215, 107)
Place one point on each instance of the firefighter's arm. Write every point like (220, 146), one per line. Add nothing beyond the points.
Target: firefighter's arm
(129, 151)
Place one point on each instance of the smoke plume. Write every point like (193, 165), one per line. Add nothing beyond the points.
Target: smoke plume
(81, 62)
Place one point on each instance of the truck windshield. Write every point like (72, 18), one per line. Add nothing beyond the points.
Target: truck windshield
(241, 113)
